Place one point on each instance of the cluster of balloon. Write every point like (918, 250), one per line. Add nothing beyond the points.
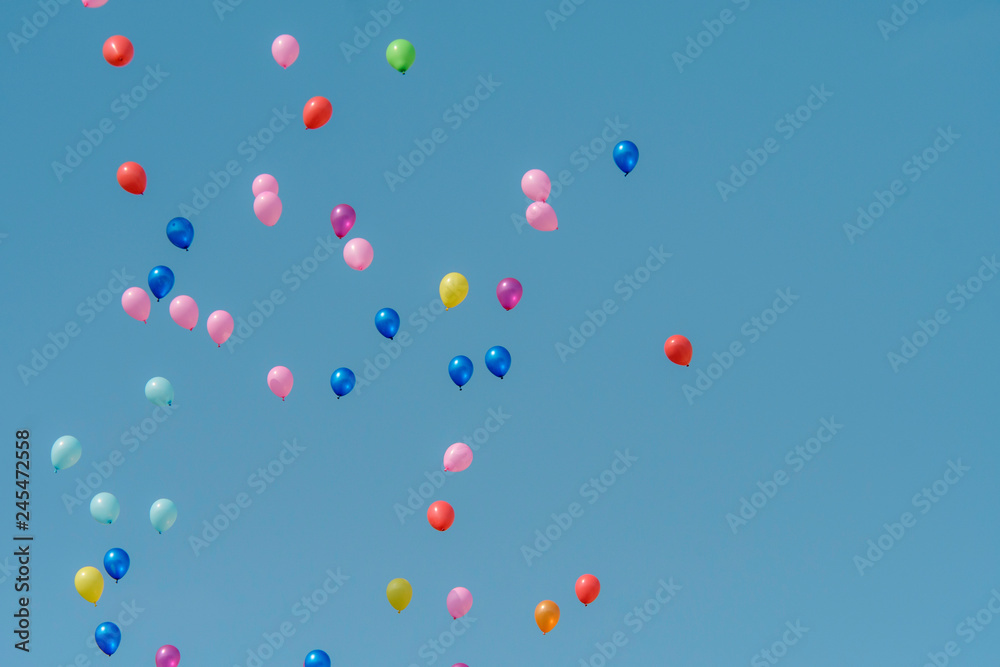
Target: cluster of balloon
(547, 611)
(626, 155)
(440, 515)
(280, 381)
(132, 177)
(400, 54)
(116, 563)
(678, 350)
(536, 186)
(66, 451)
(183, 309)
(509, 292)
(180, 232)
(118, 50)
(266, 205)
(161, 281)
(317, 659)
(285, 50)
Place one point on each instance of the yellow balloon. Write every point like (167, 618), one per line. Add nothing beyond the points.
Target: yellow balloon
(454, 288)
(89, 584)
(399, 593)
(546, 615)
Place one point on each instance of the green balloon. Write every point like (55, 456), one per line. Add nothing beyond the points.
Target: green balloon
(400, 55)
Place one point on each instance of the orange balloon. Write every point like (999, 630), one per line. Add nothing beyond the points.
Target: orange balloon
(678, 350)
(587, 588)
(317, 112)
(546, 615)
(118, 51)
(441, 515)
(132, 178)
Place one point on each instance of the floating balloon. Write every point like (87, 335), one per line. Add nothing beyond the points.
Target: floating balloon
(342, 381)
(116, 563)
(587, 588)
(264, 183)
(136, 303)
(132, 177)
(180, 231)
(220, 326)
(459, 602)
(66, 451)
(108, 637)
(387, 322)
(454, 288)
(536, 185)
(441, 515)
(400, 55)
(509, 292)
(89, 584)
(358, 254)
(280, 380)
(458, 457)
(285, 50)
(267, 208)
(168, 656)
(460, 370)
(104, 508)
(498, 361)
(118, 51)
(399, 592)
(160, 392)
(546, 615)
(317, 659)
(678, 350)
(317, 112)
(94, 3)
(184, 312)
(161, 281)
(626, 156)
(342, 218)
(163, 514)
(542, 217)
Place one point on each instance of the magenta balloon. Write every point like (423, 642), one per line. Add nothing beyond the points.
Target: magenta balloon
(267, 207)
(509, 292)
(458, 457)
(459, 602)
(536, 185)
(135, 301)
(460, 664)
(184, 311)
(220, 326)
(342, 218)
(542, 217)
(168, 656)
(285, 50)
(280, 381)
(264, 183)
(358, 254)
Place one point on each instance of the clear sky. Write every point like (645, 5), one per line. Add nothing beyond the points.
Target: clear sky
(739, 494)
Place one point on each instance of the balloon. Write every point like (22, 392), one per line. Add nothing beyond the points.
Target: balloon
(509, 292)
(454, 288)
(136, 303)
(168, 656)
(542, 217)
(460, 370)
(118, 51)
(267, 208)
(546, 615)
(587, 588)
(162, 514)
(358, 254)
(317, 659)
(459, 602)
(280, 381)
(89, 583)
(184, 311)
(458, 457)
(342, 381)
(342, 218)
(160, 392)
(440, 515)
(536, 185)
(66, 451)
(108, 637)
(180, 231)
(104, 508)
(285, 50)
(387, 322)
(498, 361)
(264, 183)
(220, 326)
(626, 155)
(399, 593)
(161, 281)
(132, 177)
(317, 112)
(94, 3)
(400, 55)
(116, 563)
(678, 350)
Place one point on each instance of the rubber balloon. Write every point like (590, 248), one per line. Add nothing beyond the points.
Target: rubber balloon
(535, 185)
(459, 602)
(498, 361)
(136, 303)
(116, 563)
(285, 50)
(160, 392)
(264, 183)
(118, 51)
(441, 515)
(458, 457)
(342, 218)
(342, 381)
(280, 380)
(509, 292)
(542, 217)
(399, 592)
(546, 615)
(94, 3)
(358, 254)
(108, 637)
(460, 370)
(220, 326)
(587, 588)
(163, 514)
(168, 656)
(400, 54)
(626, 156)
(104, 508)
(267, 208)
(132, 177)
(387, 322)
(678, 350)
(66, 451)
(453, 289)
(317, 659)
(161, 281)
(89, 584)
(184, 311)
(317, 112)
(180, 231)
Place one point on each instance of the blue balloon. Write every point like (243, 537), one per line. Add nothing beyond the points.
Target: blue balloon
(626, 155)
(161, 281)
(387, 322)
(460, 370)
(108, 637)
(116, 562)
(317, 659)
(498, 361)
(342, 381)
(180, 231)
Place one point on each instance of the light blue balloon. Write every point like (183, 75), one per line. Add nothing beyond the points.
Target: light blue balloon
(66, 452)
(160, 392)
(104, 508)
(162, 514)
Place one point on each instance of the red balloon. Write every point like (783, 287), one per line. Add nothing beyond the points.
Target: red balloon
(587, 588)
(441, 515)
(132, 178)
(317, 112)
(118, 51)
(678, 350)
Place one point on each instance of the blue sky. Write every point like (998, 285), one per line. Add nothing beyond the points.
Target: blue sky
(803, 399)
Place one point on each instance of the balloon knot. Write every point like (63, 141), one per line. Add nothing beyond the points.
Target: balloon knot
(220, 344)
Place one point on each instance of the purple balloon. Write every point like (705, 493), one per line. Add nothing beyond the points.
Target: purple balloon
(342, 218)
(460, 664)
(509, 292)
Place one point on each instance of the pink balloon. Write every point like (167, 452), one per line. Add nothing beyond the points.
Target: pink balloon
(220, 326)
(342, 218)
(280, 381)
(285, 50)
(135, 301)
(184, 311)
(267, 207)
(168, 656)
(509, 292)
(459, 602)
(358, 254)
(542, 217)
(94, 3)
(458, 457)
(265, 183)
(536, 185)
